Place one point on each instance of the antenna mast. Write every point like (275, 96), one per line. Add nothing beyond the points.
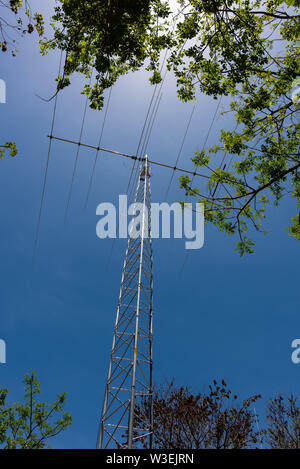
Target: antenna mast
(129, 380)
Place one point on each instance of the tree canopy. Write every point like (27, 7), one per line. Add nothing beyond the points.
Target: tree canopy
(31, 424)
(211, 420)
(246, 50)
(116, 40)
(218, 419)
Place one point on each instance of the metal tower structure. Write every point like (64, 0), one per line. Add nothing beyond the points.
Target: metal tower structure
(124, 422)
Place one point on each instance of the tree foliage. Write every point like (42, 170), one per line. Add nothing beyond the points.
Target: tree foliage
(119, 38)
(31, 424)
(283, 415)
(17, 20)
(246, 50)
(213, 420)
(8, 148)
(217, 419)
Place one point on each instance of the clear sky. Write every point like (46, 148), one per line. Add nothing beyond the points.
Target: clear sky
(222, 317)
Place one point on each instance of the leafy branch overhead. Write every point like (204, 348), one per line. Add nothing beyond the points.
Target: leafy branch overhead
(9, 147)
(119, 38)
(17, 20)
(247, 51)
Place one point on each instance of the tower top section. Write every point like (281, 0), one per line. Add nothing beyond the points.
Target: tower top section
(145, 171)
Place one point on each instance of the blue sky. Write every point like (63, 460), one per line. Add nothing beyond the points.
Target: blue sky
(222, 317)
